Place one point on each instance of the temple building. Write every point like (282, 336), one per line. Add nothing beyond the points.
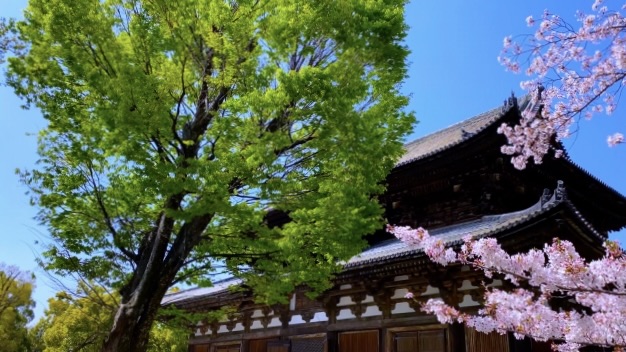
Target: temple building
(453, 182)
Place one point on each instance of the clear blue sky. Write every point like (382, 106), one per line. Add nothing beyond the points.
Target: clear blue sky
(453, 75)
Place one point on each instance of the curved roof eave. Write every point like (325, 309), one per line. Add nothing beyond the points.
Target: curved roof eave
(457, 133)
(487, 226)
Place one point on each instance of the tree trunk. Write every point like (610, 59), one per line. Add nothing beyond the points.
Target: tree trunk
(132, 323)
(141, 298)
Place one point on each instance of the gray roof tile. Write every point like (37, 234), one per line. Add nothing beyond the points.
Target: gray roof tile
(486, 226)
(483, 227)
(448, 137)
(185, 295)
(459, 132)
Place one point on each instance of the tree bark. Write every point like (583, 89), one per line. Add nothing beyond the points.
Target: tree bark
(134, 318)
(157, 269)
(141, 297)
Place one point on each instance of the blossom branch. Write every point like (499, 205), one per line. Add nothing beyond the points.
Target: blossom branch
(596, 289)
(583, 68)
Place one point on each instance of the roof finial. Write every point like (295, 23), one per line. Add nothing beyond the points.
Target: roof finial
(540, 89)
(545, 197)
(509, 102)
(513, 99)
(559, 192)
(536, 104)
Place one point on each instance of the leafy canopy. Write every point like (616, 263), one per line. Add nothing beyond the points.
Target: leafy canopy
(180, 133)
(81, 322)
(16, 307)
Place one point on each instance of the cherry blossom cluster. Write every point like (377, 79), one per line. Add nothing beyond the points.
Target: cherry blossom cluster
(582, 67)
(595, 290)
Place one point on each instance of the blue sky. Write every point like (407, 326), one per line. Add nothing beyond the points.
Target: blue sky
(453, 75)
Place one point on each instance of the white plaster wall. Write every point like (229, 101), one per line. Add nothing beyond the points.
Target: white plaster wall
(296, 319)
(371, 311)
(467, 285)
(401, 278)
(495, 283)
(345, 301)
(402, 307)
(345, 314)
(399, 293)
(257, 313)
(430, 291)
(292, 302)
(319, 316)
(274, 322)
(468, 301)
(256, 324)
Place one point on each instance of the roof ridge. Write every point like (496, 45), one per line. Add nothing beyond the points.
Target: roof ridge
(456, 133)
(507, 105)
(456, 124)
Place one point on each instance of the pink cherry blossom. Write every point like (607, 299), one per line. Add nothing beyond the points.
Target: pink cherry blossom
(583, 70)
(598, 286)
(615, 139)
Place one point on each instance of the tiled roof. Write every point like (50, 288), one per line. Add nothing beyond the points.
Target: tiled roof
(185, 295)
(457, 133)
(490, 225)
(448, 137)
(486, 226)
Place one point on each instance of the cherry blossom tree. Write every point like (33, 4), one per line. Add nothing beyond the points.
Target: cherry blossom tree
(583, 69)
(595, 289)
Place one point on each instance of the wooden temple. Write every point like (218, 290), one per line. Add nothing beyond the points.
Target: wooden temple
(453, 182)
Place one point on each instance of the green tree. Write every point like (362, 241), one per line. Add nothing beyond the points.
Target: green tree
(16, 306)
(81, 323)
(191, 137)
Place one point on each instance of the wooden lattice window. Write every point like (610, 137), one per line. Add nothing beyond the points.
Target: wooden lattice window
(278, 346)
(308, 343)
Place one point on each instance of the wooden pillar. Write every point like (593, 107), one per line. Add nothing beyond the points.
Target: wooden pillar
(332, 344)
(457, 337)
(516, 345)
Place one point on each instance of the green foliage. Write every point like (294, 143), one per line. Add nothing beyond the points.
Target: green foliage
(177, 131)
(9, 42)
(15, 308)
(77, 324)
(82, 323)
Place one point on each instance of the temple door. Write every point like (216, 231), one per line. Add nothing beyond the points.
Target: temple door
(358, 341)
(420, 341)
